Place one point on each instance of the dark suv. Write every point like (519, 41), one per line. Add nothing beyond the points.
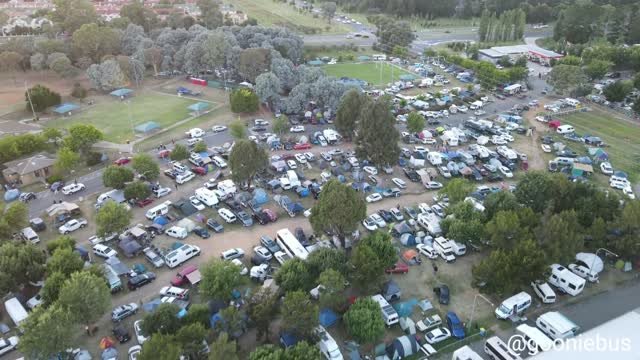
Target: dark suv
(140, 280)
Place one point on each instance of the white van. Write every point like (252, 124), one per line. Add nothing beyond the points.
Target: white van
(565, 280)
(389, 314)
(534, 337)
(227, 215)
(465, 353)
(159, 210)
(184, 177)
(565, 129)
(219, 162)
(328, 346)
(556, 325)
(458, 248)
(497, 349)
(208, 197)
(513, 305)
(177, 232)
(544, 292)
(180, 255)
(191, 142)
(584, 272)
(571, 102)
(28, 234)
(179, 167)
(16, 311)
(444, 249)
(175, 292)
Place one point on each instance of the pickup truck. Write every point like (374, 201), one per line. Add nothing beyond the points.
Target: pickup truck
(72, 225)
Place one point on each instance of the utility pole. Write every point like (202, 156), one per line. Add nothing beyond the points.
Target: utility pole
(33, 111)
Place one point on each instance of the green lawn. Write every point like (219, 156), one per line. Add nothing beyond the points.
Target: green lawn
(270, 13)
(112, 116)
(377, 74)
(622, 136)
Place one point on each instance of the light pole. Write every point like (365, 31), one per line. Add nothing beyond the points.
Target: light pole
(606, 251)
(473, 310)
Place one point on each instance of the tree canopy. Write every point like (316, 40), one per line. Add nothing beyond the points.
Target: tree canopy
(219, 278)
(339, 209)
(246, 161)
(378, 137)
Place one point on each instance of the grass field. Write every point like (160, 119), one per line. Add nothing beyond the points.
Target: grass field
(112, 116)
(622, 136)
(270, 12)
(377, 74)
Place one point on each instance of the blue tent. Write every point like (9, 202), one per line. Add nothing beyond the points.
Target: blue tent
(11, 195)
(405, 308)
(214, 319)
(121, 92)
(288, 339)
(260, 196)
(341, 178)
(199, 106)
(160, 220)
(327, 317)
(148, 126)
(66, 108)
(152, 305)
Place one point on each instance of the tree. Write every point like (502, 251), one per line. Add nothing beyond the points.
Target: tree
(72, 14)
(280, 125)
(559, 236)
(63, 67)
(246, 160)
(139, 15)
(106, 76)
(415, 123)
(46, 333)
(368, 266)
(153, 58)
(198, 313)
(214, 49)
(253, 62)
(566, 77)
(268, 351)
(116, 176)
(12, 217)
(457, 190)
(302, 350)
(82, 137)
(534, 190)
(94, 41)
(137, 190)
(191, 337)
(636, 107)
(67, 159)
(41, 97)
(627, 243)
(146, 166)
(466, 225)
(328, 10)
(499, 201)
(299, 314)
(617, 91)
(160, 347)
(179, 152)
(20, 263)
(596, 69)
(295, 275)
(244, 100)
(238, 130)
(112, 218)
(378, 137)
(223, 348)
(339, 209)
(505, 231)
(268, 88)
(162, 321)
(85, 296)
(391, 32)
(219, 278)
(334, 284)
(200, 146)
(63, 242)
(210, 16)
(348, 111)
(364, 320)
(65, 261)
(78, 91)
(263, 307)
(51, 289)
(326, 258)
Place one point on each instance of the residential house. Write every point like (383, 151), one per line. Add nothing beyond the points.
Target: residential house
(29, 170)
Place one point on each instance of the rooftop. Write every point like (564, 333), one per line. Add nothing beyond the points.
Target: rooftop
(28, 165)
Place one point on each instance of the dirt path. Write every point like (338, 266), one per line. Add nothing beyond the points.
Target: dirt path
(530, 144)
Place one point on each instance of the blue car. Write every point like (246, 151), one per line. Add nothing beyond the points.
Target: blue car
(455, 325)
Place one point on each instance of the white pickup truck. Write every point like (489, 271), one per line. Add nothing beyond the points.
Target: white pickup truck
(72, 225)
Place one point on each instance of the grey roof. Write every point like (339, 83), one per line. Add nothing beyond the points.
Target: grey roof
(28, 165)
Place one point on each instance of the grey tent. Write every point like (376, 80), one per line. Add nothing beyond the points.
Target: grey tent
(401, 228)
(129, 247)
(117, 265)
(391, 291)
(402, 347)
(407, 239)
(185, 207)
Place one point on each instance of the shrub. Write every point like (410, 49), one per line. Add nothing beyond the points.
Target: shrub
(41, 98)
(93, 158)
(53, 178)
(244, 101)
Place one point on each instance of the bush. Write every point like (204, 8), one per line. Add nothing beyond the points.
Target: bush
(78, 91)
(41, 98)
(53, 178)
(93, 158)
(244, 101)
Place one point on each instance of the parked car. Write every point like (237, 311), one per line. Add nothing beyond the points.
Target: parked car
(411, 212)
(7, 345)
(121, 312)
(369, 224)
(73, 188)
(219, 128)
(455, 325)
(374, 198)
(196, 203)
(72, 225)
(235, 253)
(200, 231)
(122, 161)
(427, 251)
(399, 183)
(443, 294)
(263, 253)
(397, 214)
(606, 168)
(104, 251)
(214, 225)
(370, 170)
(397, 268)
(140, 336)
(269, 243)
(140, 280)
(386, 215)
(437, 335)
(432, 185)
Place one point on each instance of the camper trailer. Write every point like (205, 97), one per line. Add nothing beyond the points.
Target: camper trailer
(208, 197)
(556, 325)
(444, 249)
(159, 210)
(389, 314)
(565, 280)
(16, 311)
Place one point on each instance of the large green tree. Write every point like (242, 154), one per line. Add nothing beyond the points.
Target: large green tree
(534, 190)
(82, 137)
(95, 41)
(67, 159)
(41, 97)
(51, 289)
(364, 321)
(46, 333)
(85, 296)
(179, 152)
(378, 137)
(160, 347)
(348, 112)
(334, 285)
(219, 278)
(457, 190)
(617, 91)
(415, 123)
(295, 274)
(72, 14)
(263, 307)
(339, 209)
(191, 338)
(162, 321)
(146, 166)
(116, 176)
(372, 255)
(112, 218)
(65, 261)
(246, 161)
(12, 217)
(299, 313)
(327, 258)
(138, 14)
(224, 348)
(20, 263)
(560, 237)
(137, 190)
(565, 78)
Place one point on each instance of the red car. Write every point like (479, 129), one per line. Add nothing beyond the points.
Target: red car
(122, 161)
(145, 202)
(199, 171)
(304, 146)
(398, 268)
(271, 214)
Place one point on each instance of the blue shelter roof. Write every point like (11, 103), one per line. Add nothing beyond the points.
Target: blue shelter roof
(121, 92)
(199, 106)
(65, 108)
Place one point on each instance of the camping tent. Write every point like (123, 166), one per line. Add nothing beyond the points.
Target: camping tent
(405, 308)
(160, 220)
(591, 261)
(401, 228)
(327, 317)
(130, 248)
(11, 195)
(363, 58)
(408, 239)
(66, 108)
(117, 265)
(198, 107)
(148, 126)
(260, 196)
(407, 325)
(402, 347)
(411, 256)
(62, 208)
(407, 77)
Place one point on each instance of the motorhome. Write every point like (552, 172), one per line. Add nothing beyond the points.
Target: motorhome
(184, 177)
(556, 325)
(534, 338)
(571, 102)
(225, 189)
(113, 280)
(507, 152)
(389, 314)
(177, 232)
(328, 346)
(435, 158)
(219, 162)
(115, 195)
(331, 135)
(459, 249)
(565, 280)
(206, 196)
(180, 255)
(379, 57)
(16, 311)
(431, 223)
(513, 305)
(476, 105)
(565, 129)
(444, 249)
(159, 210)
(497, 349)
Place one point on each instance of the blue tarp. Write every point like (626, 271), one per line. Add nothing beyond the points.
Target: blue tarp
(65, 108)
(152, 305)
(160, 220)
(584, 160)
(11, 195)
(260, 196)
(405, 308)
(288, 339)
(199, 106)
(315, 63)
(148, 126)
(121, 92)
(214, 319)
(327, 317)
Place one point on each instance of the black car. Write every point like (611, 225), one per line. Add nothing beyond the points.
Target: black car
(233, 205)
(202, 232)
(259, 128)
(299, 233)
(495, 177)
(261, 218)
(122, 334)
(140, 280)
(443, 294)
(267, 241)
(215, 226)
(412, 175)
(386, 215)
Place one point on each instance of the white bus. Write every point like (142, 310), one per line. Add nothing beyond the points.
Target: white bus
(534, 337)
(290, 245)
(389, 314)
(498, 350)
(556, 325)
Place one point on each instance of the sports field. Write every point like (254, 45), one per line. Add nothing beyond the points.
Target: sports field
(623, 138)
(117, 118)
(377, 74)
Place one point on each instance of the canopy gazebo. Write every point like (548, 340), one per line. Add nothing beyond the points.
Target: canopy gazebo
(148, 126)
(66, 108)
(315, 62)
(198, 107)
(122, 93)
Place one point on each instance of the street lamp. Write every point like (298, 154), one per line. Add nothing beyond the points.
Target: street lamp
(473, 310)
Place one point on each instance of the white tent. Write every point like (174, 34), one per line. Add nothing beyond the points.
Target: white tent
(591, 261)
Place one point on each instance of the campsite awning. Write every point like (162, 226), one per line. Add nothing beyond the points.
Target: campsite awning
(66, 108)
(194, 277)
(199, 106)
(327, 317)
(121, 92)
